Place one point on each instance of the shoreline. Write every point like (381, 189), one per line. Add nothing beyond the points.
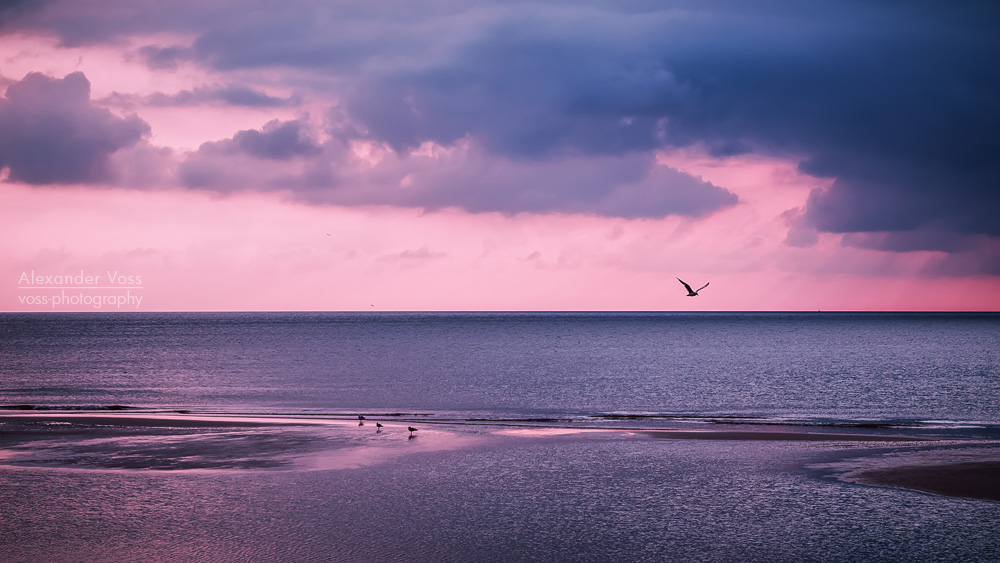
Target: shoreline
(189, 420)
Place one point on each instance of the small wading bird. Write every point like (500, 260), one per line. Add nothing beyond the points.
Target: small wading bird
(691, 292)
(378, 427)
(361, 420)
(411, 429)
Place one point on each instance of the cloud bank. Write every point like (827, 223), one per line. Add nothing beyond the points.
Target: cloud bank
(560, 106)
(51, 133)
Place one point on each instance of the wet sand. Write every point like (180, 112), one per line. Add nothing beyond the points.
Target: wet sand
(976, 480)
(771, 435)
(158, 420)
(168, 441)
(177, 442)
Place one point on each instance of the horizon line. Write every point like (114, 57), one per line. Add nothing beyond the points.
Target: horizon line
(513, 311)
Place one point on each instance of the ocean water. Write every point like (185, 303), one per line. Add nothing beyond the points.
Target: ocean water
(491, 475)
(901, 367)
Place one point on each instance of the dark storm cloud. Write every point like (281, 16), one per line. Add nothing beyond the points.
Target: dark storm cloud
(985, 262)
(50, 133)
(908, 241)
(895, 100)
(83, 22)
(11, 10)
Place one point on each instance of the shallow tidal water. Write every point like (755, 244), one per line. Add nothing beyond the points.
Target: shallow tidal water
(561, 498)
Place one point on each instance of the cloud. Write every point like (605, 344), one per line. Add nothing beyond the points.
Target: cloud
(252, 159)
(955, 254)
(50, 133)
(11, 10)
(276, 140)
(414, 257)
(164, 58)
(895, 100)
(470, 177)
(965, 264)
(464, 175)
(911, 241)
(800, 234)
(231, 95)
(530, 86)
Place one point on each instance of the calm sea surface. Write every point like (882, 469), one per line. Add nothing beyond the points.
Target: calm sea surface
(822, 366)
(591, 496)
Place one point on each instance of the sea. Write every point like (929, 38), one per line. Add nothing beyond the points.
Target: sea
(535, 474)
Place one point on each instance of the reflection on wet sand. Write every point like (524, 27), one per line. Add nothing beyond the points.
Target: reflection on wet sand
(176, 442)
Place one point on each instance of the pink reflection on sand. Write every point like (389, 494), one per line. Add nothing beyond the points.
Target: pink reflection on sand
(181, 442)
(393, 442)
(546, 432)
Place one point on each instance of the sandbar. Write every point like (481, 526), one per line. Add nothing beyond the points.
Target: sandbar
(974, 479)
(183, 441)
(159, 420)
(769, 435)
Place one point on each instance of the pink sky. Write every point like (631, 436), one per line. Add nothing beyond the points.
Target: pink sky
(275, 248)
(196, 251)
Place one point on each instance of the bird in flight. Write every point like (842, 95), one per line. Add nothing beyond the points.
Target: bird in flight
(691, 292)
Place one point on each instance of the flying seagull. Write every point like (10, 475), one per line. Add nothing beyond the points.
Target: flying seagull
(691, 292)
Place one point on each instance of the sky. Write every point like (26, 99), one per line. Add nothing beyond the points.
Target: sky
(398, 155)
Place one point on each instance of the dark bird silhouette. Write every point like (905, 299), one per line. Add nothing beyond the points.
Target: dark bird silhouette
(361, 420)
(691, 292)
(378, 427)
(411, 429)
